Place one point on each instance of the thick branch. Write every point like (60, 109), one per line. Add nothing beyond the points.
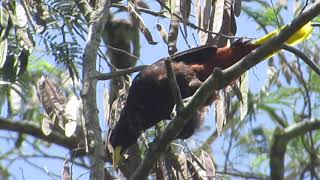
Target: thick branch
(33, 130)
(119, 72)
(280, 141)
(93, 130)
(218, 80)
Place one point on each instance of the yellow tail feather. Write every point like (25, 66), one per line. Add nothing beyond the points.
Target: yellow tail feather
(296, 38)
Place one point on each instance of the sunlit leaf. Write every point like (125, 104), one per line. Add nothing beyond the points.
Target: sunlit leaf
(220, 113)
(182, 159)
(218, 15)
(73, 114)
(106, 105)
(3, 52)
(47, 125)
(244, 87)
(205, 16)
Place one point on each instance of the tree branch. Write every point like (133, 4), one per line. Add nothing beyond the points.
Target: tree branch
(219, 80)
(98, 20)
(303, 57)
(279, 143)
(119, 72)
(35, 131)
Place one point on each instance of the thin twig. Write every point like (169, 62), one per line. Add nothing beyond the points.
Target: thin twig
(303, 57)
(119, 72)
(173, 84)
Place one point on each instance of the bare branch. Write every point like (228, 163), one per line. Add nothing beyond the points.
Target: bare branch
(119, 72)
(35, 131)
(303, 57)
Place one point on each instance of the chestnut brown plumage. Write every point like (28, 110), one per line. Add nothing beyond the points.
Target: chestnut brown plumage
(150, 99)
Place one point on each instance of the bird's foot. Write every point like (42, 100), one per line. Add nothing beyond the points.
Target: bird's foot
(174, 111)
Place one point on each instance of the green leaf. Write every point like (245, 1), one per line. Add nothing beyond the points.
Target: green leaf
(257, 162)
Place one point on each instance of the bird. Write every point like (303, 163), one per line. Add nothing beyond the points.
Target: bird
(150, 98)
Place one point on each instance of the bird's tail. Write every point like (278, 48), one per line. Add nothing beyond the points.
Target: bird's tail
(299, 36)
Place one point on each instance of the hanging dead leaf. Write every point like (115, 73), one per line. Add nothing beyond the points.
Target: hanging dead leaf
(218, 15)
(66, 174)
(237, 7)
(185, 7)
(73, 114)
(163, 33)
(228, 26)
(198, 12)
(52, 100)
(244, 88)
(205, 15)
(173, 29)
(159, 171)
(208, 164)
(106, 105)
(3, 52)
(196, 172)
(15, 98)
(119, 103)
(220, 112)
(145, 31)
(182, 159)
(47, 125)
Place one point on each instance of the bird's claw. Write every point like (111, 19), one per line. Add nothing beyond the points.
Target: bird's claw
(174, 111)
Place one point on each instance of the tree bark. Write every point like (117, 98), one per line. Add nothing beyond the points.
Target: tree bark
(93, 130)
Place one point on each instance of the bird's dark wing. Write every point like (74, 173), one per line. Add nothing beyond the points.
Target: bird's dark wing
(197, 54)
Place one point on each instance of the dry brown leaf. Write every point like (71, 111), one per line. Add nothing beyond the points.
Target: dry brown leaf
(106, 105)
(163, 33)
(218, 15)
(237, 7)
(47, 125)
(205, 15)
(198, 12)
(145, 31)
(228, 26)
(182, 159)
(244, 88)
(173, 30)
(196, 172)
(185, 8)
(52, 100)
(220, 112)
(66, 174)
(208, 164)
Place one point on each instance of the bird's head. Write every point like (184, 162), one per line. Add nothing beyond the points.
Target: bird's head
(242, 46)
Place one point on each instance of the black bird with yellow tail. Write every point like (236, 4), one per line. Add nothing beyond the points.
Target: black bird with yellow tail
(150, 99)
